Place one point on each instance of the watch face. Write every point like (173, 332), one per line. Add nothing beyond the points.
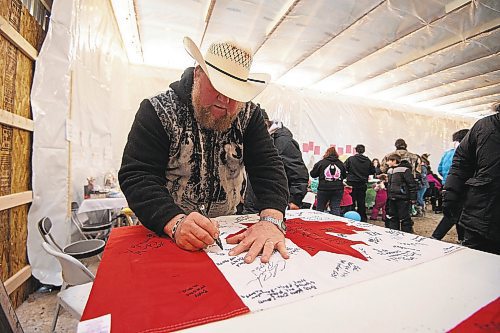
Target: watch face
(280, 224)
(283, 225)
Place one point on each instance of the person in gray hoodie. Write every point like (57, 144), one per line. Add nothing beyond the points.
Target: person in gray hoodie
(359, 167)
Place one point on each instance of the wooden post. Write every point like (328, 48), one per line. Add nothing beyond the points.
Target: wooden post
(8, 318)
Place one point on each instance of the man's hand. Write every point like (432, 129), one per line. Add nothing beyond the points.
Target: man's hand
(195, 232)
(293, 206)
(263, 237)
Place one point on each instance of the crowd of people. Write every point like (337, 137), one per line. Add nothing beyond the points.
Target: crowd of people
(404, 182)
(399, 181)
(194, 149)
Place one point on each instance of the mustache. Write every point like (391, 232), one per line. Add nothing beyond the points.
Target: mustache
(204, 116)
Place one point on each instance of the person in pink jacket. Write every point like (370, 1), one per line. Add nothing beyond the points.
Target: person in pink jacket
(380, 198)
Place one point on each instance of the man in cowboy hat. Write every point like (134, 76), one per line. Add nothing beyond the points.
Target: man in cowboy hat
(189, 148)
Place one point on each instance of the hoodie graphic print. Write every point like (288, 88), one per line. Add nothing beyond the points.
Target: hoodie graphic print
(332, 173)
(204, 166)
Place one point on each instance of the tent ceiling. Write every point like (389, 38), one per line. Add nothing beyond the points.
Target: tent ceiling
(435, 54)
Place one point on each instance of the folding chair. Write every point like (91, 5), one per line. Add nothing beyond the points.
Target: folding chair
(77, 283)
(81, 249)
(89, 230)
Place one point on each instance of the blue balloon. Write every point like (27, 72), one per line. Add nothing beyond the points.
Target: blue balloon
(353, 215)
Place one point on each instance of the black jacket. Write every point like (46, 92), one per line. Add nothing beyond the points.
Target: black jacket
(295, 169)
(331, 172)
(401, 184)
(474, 178)
(170, 164)
(358, 167)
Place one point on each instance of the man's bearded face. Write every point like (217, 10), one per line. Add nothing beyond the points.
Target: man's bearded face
(212, 109)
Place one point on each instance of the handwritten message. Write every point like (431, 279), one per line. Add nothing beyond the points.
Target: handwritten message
(265, 272)
(326, 252)
(344, 268)
(151, 242)
(281, 291)
(195, 291)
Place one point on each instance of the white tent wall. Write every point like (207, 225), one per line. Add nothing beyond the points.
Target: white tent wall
(79, 84)
(326, 119)
(142, 82)
(100, 75)
(85, 96)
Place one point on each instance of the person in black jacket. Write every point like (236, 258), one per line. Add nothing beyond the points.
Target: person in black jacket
(359, 167)
(472, 188)
(401, 193)
(447, 222)
(295, 169)
(331, 172)
(189, 147)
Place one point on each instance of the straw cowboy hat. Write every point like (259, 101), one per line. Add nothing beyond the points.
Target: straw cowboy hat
(227, 66)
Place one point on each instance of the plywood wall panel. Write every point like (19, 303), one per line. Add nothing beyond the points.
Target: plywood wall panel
(4, 8)
(21, 161)
(30, 29)
(24, 79)
(4, 245)
(16, 75)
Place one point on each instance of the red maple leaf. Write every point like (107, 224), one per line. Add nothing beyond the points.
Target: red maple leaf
(312, 236)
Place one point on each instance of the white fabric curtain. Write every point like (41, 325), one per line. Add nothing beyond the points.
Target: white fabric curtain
(345, 121)
(76, 96)
(85, 95)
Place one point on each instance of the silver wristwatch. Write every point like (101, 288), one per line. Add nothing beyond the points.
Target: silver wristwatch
(279, 223)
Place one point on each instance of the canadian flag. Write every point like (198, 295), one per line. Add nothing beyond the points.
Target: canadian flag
(150, 285)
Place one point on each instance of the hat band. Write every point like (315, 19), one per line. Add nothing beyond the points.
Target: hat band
(231, 75)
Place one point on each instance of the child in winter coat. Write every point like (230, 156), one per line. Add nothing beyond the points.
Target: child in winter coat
(380, 198)
(434, 192)
(346, 202)
(401, 193)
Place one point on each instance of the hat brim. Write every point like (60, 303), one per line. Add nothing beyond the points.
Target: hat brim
(242, 91)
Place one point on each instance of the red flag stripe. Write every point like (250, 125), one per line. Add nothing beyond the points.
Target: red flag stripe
(486, 319)
(150, 285)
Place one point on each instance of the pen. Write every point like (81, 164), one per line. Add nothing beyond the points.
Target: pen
(201, 209)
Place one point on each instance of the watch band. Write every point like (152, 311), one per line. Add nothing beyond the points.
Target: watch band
(279, 223)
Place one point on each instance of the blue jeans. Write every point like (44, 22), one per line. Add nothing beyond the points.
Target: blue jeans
(333, 197)
(420, 196)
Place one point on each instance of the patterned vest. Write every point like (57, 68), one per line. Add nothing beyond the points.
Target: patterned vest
(204, 166)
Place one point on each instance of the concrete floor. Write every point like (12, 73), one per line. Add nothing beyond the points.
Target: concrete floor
(37, 312)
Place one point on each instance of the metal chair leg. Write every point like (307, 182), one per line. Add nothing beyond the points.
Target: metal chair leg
(54, 321)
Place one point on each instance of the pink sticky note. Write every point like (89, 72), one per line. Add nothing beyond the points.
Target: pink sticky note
(305, 147)
(316, 150)
(311, 145)
(340, 151)
(348, 149)
(332, 145)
